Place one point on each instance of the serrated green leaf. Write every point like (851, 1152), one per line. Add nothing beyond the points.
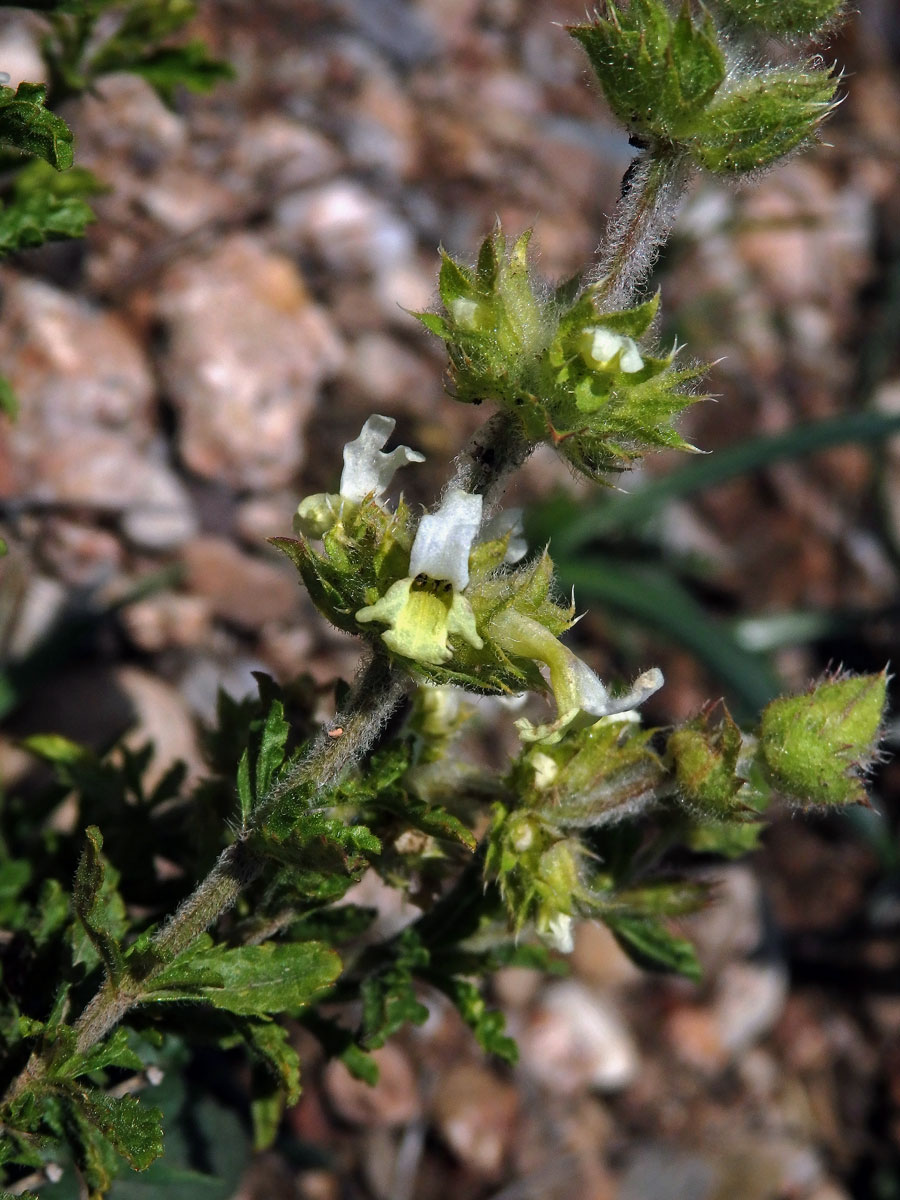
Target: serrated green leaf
(657, 71)
(389, 999)
(133, 1129)
(25, 124)
(488, 1025)
(114, 1051)
(249, 980)
(38, 219)
(271, 752)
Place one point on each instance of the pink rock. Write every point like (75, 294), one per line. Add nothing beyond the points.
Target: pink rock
(394, 1100)
(247, 354)
(248, 592)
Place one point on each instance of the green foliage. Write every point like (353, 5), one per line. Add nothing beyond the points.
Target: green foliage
(566, 369)
(100, 984)
(785, 18)
(43, 205)
(658, 72)
(26, 125)
(672, 81)
(762, 120)
(136, 36)
(251, 981)
(98, 905)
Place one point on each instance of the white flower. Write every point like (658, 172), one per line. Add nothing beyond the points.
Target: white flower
(600, 347)
(507, 521)
(581, 696)
(444, 539)
(558, 933)
(424, 609)
(368, 471)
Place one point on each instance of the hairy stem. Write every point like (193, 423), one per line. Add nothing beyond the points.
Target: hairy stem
(652, 191)
(484, 466)
(497, 450)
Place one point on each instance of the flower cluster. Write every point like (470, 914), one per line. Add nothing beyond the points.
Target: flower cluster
(567, 370)
(448, 596)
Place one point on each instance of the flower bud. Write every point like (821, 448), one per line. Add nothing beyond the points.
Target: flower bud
(816, 747)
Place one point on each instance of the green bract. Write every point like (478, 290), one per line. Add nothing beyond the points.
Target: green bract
(671, 82)
(816, 747)
(568, 372)
(786, 18)
(706, 755)
(762, 119)
(658, 72)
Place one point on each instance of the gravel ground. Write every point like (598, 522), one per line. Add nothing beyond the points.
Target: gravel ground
(195, 366)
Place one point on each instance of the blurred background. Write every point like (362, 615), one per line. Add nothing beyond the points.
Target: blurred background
(194, 366)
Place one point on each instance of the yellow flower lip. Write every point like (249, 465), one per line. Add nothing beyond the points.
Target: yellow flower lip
(422, 614)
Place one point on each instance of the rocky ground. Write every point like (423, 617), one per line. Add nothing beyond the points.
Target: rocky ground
(194, 367)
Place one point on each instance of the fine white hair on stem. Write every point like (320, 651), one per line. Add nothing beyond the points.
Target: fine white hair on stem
(651, 196)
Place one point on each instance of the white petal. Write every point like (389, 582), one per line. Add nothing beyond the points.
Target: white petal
(444, 539)
(605, 345)
(507, 521)
(367, 469)
(559, 933)
(593, 698)
(642, 689)
(631, 360)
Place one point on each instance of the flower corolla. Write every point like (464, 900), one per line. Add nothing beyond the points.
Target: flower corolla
(368, 471)
(423, 610)
(581, 696)
(605, 350)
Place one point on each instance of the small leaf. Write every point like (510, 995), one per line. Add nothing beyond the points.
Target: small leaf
(98, 905)
(249, 980)
(649, 943)
(54, 748)
(38, 219)
(488, 1025)
(27, 125)
(134, 1129)
(761, 119)
(189, 66)
(244, 789)
(114, 1051)
(271, 752)
(389, 998)
(269, 1043)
